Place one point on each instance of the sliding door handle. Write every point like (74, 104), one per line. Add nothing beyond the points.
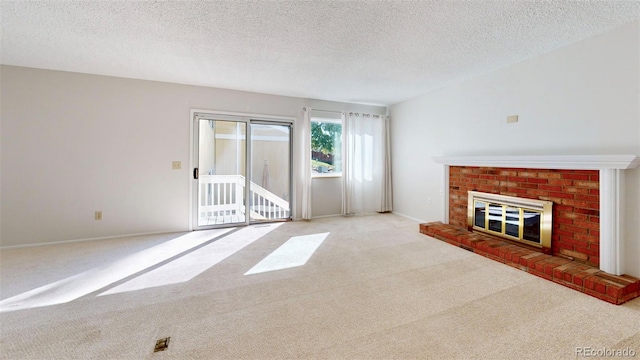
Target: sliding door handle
(195, 173)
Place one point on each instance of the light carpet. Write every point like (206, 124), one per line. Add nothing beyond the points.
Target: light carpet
(374, 288)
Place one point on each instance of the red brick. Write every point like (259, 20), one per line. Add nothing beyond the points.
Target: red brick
(587, 224)
(584, 171)
(517, 190)
(569, 215)
(540, 274)
(550, 187)
(575, 190)
(561, 195)
(495, 258)
(586, 184)
(560, 220)
(567, 284)
(531, 262)
(562, 232)
(614, 291)
(576, 203)
(575, 242)
(558, 274)
(600, 286)
(585, 239)
(634, 287)
(575, 176)
(568, 277)
(578, 278)
(517, 178)
(537, 181)
(562, 208)
(550, 175)
(601, 296)
(575, 229)
(563, 182)
(591, 212)
(564, 243)
(590, 282)
(587, 251)
(537, 192)
(590, 198)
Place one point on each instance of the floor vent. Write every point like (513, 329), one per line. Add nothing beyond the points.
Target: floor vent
(162, 344)
(466, 248)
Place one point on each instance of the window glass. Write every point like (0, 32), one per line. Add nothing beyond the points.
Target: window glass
(326, 146)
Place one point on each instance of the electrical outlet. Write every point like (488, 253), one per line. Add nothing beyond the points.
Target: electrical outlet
(176, 165)
(98, 215)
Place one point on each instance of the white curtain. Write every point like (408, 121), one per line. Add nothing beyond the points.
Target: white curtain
(303, 172)
(366, 170)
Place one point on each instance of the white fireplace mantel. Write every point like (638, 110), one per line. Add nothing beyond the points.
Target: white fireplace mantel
(611, 169)
(565, 162)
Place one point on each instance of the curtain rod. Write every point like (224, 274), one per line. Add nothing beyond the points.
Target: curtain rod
(367, 115)
(331, 111)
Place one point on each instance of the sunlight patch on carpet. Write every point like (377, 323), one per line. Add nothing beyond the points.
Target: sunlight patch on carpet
(295, 252)
(86, 282)
(193, 264)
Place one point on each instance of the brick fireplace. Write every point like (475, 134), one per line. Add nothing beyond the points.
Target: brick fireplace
(587, 234)
(575, 195)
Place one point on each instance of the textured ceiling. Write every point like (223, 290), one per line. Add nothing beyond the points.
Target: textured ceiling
(380, 52)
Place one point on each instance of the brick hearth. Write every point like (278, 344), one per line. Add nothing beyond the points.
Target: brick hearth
(573, 274)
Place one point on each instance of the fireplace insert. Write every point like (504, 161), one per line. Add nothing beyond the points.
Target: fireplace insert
(528, 221)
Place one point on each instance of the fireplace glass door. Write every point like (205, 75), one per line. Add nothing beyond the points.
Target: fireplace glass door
(479, 214)
(495, 217)
(512, 218)
(512, 221)
(531, 226)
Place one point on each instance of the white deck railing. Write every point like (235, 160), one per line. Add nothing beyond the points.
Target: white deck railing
(222, 195)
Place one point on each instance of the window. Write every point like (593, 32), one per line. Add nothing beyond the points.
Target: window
(326, 147)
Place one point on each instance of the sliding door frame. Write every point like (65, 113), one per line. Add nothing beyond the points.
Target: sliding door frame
(247, 118)
(279, 122)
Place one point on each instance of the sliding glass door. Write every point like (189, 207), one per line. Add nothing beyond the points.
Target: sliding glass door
(221, 171)
(243, 171)
(270, 171)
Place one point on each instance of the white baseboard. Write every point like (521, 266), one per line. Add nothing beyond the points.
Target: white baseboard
(325, 216)
(409, 217)
(91, 239)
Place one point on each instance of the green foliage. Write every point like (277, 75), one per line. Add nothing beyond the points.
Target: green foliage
(324, 135)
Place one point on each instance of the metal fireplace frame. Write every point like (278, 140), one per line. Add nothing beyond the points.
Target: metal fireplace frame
(542, 207)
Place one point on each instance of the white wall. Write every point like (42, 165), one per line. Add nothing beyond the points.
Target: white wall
(326, 193)
(581, 99)
(75, 143)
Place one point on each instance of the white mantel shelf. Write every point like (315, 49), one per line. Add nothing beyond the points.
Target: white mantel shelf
(560, 162)
(611, 169)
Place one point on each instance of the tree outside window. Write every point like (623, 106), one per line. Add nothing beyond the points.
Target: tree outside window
(326, 146)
